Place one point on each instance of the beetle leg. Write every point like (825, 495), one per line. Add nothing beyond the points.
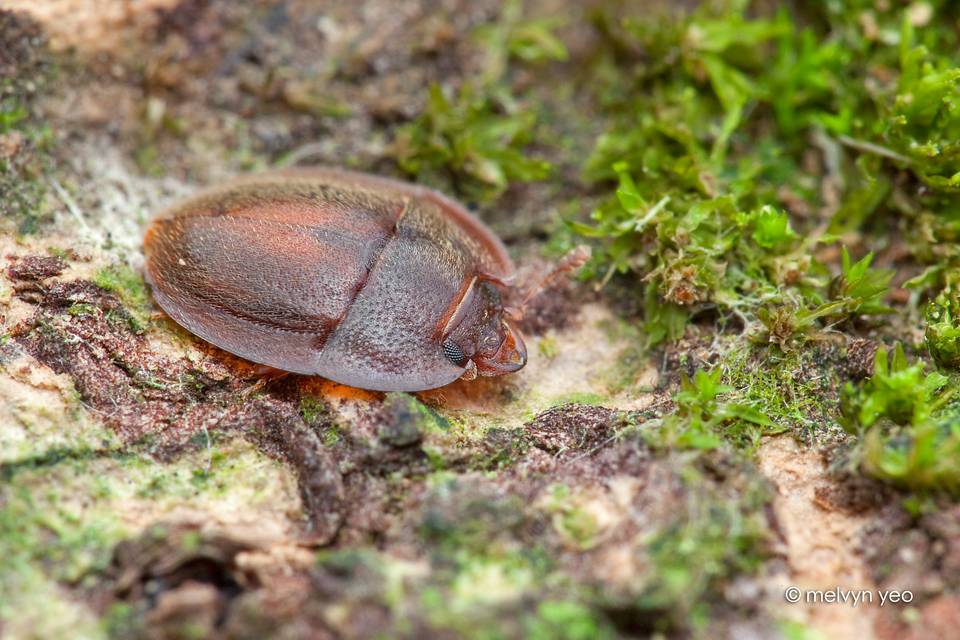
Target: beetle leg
(264, 375)
(433, 397)
(259, 384)
(471, 371)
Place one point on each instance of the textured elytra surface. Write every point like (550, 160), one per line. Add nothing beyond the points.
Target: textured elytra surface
(328, 273)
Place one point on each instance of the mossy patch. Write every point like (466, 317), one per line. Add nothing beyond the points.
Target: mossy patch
(130, 287)
(25, 70)
(904, 420)
(715, 182)
(61, 517)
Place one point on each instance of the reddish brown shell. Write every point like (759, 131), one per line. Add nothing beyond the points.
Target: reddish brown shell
(324, 272)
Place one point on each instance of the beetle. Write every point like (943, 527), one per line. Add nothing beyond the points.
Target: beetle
(364, 280)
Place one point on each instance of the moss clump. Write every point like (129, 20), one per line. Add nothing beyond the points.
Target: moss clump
(799, 391)
(314, 411)
(905, 421)
(466, 135)
(942, 334)
(721, 196)
(133, 291)
(702, 417)
(478, 135)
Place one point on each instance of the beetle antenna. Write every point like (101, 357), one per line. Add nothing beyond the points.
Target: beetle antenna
(575, 258)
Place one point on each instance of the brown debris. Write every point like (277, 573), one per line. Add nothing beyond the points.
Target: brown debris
(573, 427)
(175, 553)
(279, 431)
(939, 618)
(83, 330)
(32, 268)
(22, 51)
(921, 555)
(848, 491)
(854, 494)
(861, 355)
(182, 576)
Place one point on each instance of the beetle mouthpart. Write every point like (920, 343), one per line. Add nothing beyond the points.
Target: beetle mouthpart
(471, 371)
(510, 356)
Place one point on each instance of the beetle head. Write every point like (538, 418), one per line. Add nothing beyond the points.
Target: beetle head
(481, 337)
(505, 356)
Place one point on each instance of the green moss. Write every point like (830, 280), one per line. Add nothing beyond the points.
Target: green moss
(942, 334)
(466, 135)
(906, 423)
(548, 347)
(50, 533)
(704, 170)
(574, 524)
(860, 288)
(121, 621)
(81, 309)
(511, 39)
(24, 138)
(59, 515)
(797, 391)
(42, 432)
(478, 134)
(856, 291)
(148, 159)
(567, 620)
(35, 607)
(579, 398)
(793, 630)
(488, 597)
(133, 291)
(703, 415)
(755, 392)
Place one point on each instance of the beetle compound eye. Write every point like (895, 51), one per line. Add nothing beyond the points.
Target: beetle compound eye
(454, 353)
